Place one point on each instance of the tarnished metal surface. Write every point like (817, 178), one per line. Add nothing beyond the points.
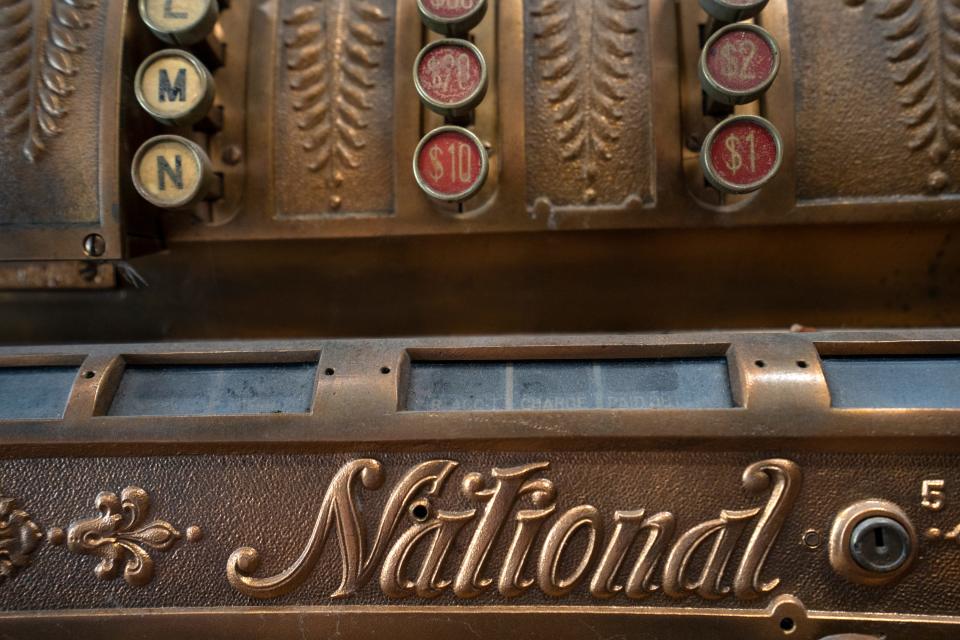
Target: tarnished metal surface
(366, 511)
(725, 485)
(59, 149)
(317, 118)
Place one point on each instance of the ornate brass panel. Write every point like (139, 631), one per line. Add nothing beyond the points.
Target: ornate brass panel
(589, 104)
(334, 102)
(651, 521)
(593, 120)
(59, 119)
(904, 134)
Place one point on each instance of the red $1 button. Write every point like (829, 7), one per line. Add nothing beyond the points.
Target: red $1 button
(741, 154)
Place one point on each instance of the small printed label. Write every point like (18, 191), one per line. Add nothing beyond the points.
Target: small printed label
(451, 9)
(741, 61)
(744, 153)
(171, 86)
(450, 74)
(173, 15)
(450, 164)
(168, 172)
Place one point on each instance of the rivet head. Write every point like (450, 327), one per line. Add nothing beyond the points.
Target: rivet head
(56, 536)
(194, 533)
(94, 245)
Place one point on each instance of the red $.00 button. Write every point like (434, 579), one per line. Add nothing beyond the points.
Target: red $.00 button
(452, 17)
(451, 77)
(741, 154)
(739, 64)
(450, 8)
(450, 164)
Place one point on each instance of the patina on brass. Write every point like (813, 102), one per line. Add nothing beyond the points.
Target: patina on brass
(584, 122)
(655, 520)
(362, 517)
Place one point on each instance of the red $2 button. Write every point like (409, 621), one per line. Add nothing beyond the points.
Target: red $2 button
(739, 63)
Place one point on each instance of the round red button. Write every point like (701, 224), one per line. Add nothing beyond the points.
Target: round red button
(741, 154)
(451, 77)
(452, 17)
(450, 164)
(739, 63)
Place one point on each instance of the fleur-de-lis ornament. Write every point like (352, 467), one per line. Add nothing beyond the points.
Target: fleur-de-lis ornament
(120, 536)
(19, 537)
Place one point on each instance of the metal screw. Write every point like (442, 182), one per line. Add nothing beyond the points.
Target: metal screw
(232, 155)
(880, 544)
(94, 245)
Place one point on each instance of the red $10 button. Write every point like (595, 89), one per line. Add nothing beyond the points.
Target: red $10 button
(450, 164)
(742, 154)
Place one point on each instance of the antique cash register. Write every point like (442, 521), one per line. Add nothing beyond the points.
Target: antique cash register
(480, 319)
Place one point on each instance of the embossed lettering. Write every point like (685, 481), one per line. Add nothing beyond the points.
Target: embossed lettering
(725, 532)
(629, 526)
(556, 544)
(412, 562)
(339, 509)
(428, 584)
(529, 521)
(510, 484)
(785, 477)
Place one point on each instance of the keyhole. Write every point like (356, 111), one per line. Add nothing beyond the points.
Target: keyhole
(878, 539)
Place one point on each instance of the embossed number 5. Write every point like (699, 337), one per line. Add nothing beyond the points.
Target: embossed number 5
(933, 494)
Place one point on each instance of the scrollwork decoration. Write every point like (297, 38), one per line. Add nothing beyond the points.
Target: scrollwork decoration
(121, 536)
(19, 538)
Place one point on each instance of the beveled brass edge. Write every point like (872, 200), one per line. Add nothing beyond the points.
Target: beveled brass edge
(451, 622)
(359, 394)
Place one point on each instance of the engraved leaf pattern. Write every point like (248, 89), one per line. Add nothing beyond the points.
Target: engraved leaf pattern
(585, 51)
(332, 48)
(923, 49)
(39, 42)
